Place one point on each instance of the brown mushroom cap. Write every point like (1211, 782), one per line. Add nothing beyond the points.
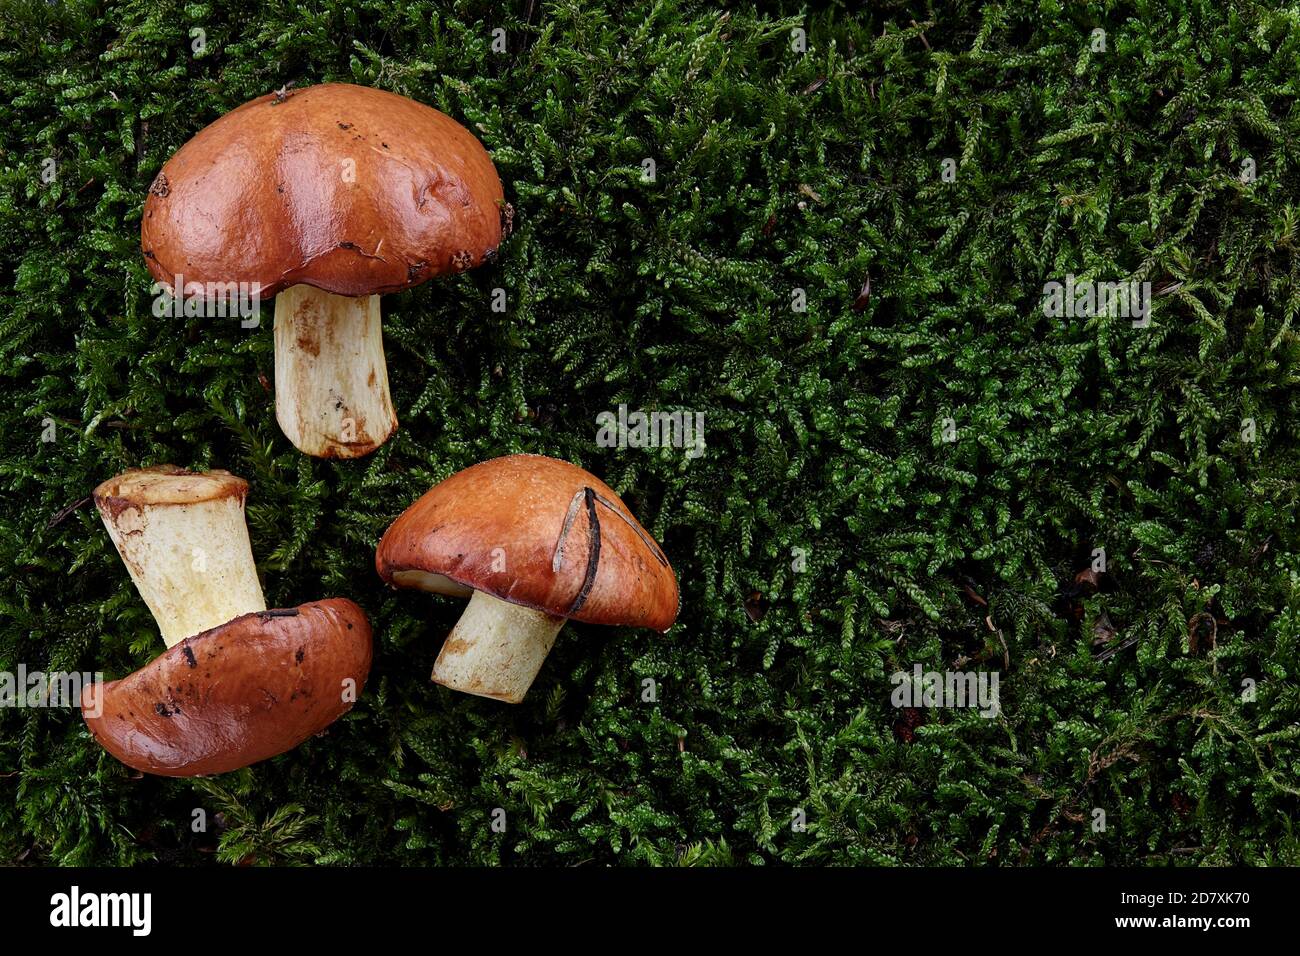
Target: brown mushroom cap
(610, 570)
(239, 693)
(263, 195)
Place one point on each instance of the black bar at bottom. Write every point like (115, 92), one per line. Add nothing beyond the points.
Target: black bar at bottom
(334, 904)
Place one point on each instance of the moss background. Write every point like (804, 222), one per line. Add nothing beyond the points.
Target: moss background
(776, 170)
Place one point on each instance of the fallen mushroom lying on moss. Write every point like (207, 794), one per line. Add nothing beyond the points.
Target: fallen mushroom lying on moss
(238, 683)
(532, 542)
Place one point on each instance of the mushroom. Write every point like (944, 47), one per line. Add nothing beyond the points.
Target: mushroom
(253, 688)
(325, 197)
(238, 683)
(532, 541)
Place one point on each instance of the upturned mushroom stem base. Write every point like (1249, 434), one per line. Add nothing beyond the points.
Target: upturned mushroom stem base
(185, 543)
(496, 649)
(331, 381)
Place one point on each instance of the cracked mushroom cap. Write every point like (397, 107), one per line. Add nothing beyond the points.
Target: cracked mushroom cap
(246, 691)
(353, 190)
(537, 532)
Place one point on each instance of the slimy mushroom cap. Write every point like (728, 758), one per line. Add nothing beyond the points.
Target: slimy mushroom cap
(251, 689)
(353, 190)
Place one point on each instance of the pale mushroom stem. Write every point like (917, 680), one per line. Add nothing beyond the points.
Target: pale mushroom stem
(331, 382)
(192, 563)
(496, 649)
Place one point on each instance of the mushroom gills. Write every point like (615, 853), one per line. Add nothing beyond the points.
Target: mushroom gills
(496, 649)
(331, 380)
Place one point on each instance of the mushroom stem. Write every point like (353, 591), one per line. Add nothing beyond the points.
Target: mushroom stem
(185, 543)
(331, 382)
(496, 649)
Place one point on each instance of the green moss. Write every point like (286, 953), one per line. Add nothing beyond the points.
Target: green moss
(776, 170)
